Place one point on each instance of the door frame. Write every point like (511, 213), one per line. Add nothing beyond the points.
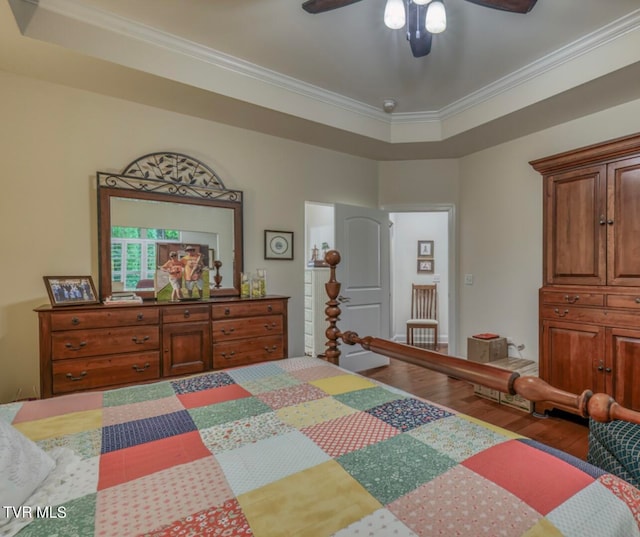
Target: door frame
(450, 209)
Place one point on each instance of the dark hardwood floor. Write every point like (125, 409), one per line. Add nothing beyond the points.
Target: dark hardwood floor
(559, 430)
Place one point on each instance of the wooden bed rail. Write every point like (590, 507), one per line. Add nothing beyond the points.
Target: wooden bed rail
(600, 406)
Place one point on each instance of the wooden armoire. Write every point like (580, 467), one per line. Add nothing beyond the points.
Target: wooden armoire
(590, 298)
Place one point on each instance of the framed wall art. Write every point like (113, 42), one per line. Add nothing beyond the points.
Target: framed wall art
(425, 266)
(71, 290)
(425, 248)
(278, 244)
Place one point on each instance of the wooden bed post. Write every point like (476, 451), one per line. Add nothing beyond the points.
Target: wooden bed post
(600, 406)
(332, 258)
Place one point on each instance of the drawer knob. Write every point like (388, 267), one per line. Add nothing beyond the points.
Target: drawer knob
(139, 341)
(75, 320)
(82, 375)
(601, 365)
(187, 314)
(226, 332)
(270, 326)
(273, 348)
(269, 308)
(227, 311)
(77, 347)
(559, 314)
(140, 316)
(638, 300)
(228, 356)
(571, 299)
(607, 370)
(141, 369)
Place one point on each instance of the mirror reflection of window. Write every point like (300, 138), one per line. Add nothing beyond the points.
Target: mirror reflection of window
(133, 255)
(189, 223)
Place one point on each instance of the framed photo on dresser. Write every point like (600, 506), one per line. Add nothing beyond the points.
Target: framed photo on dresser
(71, 290)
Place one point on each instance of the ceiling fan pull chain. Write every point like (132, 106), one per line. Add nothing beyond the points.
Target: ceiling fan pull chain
(417, 22)
(408, 30)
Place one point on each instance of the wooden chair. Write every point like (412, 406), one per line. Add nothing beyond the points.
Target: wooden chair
(424, 312)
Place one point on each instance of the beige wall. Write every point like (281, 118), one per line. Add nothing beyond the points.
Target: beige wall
(55, 138)
(498, 198)
(501, 225)
(414, 182)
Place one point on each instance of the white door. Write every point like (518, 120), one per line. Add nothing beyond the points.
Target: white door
(362, 238)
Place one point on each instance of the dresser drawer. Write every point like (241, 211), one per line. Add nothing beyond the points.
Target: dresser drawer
(89, 373)
(109, 316)
(624, 301)
(79, 343)
(181, 314)
(247, 327)
(308, 328)
(573, 298)
(308, 342)
(247, 309)
(241, 352)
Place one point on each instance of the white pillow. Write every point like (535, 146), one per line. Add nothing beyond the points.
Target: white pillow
(23, 467)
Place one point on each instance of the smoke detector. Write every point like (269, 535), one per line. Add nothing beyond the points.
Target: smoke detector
(389, 105)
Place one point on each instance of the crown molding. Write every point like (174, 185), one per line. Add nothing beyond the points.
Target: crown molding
(104, 20)
(120, 25)
(580, 47)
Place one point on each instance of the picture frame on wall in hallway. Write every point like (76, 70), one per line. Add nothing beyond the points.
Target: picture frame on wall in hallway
(425, 266)
(425, 248)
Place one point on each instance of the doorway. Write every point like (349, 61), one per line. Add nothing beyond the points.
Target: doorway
(435, 223)
(420, 254)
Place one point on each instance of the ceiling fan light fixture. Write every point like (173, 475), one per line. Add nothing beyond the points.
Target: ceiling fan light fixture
(421, 2)
(436, 20)
(394, 15)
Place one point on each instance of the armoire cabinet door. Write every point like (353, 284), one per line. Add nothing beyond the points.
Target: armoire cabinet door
(623, 222)
(623, 367)
(573, 353)
(575, 227)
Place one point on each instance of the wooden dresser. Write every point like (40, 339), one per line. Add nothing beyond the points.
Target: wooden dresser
(590, 299)
(93, 347)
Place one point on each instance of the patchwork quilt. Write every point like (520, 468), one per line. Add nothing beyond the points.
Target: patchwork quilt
(300, 447)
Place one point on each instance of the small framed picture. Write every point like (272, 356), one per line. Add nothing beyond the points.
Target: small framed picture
(425, 266)
(71, 290)
(278, 244)
(425, 248)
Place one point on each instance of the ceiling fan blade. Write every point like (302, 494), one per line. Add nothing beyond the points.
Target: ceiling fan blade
(515, 6)
(320, 6)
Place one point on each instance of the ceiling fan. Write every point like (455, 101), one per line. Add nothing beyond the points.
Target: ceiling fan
(423, 18)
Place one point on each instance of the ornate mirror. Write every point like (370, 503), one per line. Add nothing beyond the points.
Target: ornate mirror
(166, 205)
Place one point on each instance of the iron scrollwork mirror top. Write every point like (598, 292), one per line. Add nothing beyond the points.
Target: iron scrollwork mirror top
(164, 203)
